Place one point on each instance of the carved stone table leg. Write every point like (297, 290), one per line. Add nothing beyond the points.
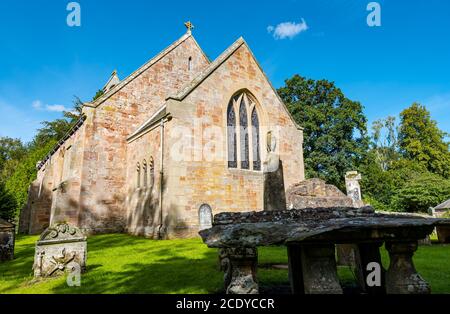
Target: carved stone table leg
(346, 254)
(295, 269)
(367, 253)
(319, 270)
(402, 277)
(239, 265)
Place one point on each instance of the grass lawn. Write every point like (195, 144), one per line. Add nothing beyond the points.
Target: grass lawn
(125, 264)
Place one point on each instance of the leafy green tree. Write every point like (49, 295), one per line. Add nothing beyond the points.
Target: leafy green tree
(421, 192)
(422, 141)
(98, 95)
(7, 204)
(10, 149)
(335, 127)
(56, 129)
(384, 142)
(18, 183)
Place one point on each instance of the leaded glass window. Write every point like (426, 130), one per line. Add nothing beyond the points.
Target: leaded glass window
(231, 136)
(255, 138)
(244, 142)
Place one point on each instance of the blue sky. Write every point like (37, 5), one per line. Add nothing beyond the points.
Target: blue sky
(44, 63)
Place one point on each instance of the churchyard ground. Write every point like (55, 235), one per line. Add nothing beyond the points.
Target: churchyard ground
(125, 264)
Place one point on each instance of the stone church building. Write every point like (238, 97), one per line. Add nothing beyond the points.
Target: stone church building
(161, 151)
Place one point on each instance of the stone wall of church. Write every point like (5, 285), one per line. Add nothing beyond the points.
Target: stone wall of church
(143, 184)
(54, 195)
(104, 173)
(192, 180)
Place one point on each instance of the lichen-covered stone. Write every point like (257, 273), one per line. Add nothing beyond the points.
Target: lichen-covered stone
(315, 193)
(60, 248)
(7, 240)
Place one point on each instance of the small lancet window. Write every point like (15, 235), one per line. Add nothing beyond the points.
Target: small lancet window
(144, 170)
(138, 175)
(190, 64)
(152, 172)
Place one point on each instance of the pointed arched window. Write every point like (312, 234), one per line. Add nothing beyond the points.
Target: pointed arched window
(144, 168)
(138, 175)
(244, 134)
(255, 138)
(231, 136)
(242, 113)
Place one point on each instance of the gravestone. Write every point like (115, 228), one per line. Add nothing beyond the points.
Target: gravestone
(61, 248)
(7, 238)
(353, 188)
(205, 217)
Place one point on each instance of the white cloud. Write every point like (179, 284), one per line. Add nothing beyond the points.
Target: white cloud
(38, 105)
(57, 108)
(287, 29)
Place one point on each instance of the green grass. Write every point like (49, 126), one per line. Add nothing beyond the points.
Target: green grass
(125, 264)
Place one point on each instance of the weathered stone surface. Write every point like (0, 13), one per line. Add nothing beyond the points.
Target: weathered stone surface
(319, 269)
(346, 254)
(310, 235)
(346, 225)
(7, 240)
(353, 188)
(443, 233)
(402, 277)
(315, 193)
(239, 266)
(60, 248)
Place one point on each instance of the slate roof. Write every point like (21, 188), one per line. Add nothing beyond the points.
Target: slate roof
(445, 205)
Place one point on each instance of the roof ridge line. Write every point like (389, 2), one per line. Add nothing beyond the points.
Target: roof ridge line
(139, 71)
(187, 89)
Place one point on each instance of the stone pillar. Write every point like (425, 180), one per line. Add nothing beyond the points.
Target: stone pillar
(402, 277)
(319, 269)
(353, 188)
(295, 268)
(347, 253)
(274, 191)
(367, 253)
(239, 266)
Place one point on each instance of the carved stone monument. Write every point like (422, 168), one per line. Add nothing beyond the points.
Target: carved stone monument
(274, 193)
(60, 248)
(239, 266)
(353, 188)
(7, 238)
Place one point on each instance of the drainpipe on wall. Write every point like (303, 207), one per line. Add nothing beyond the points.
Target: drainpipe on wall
(161, 227)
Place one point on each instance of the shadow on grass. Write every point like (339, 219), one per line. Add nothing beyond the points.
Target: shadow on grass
(171, 275)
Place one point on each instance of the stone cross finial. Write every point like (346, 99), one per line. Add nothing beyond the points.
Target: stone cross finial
(189, 26)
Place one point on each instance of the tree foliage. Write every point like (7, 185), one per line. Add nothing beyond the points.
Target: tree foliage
(17, 185)
(421, 192)
(7, 204)
(422, 141)
(335, 131)
(406, 170)
(18, 161)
